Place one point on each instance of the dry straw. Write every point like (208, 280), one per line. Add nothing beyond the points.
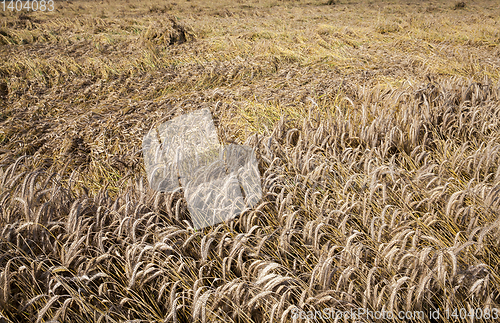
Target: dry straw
(379, 193)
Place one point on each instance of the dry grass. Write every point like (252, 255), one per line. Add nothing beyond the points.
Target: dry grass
(377, 129)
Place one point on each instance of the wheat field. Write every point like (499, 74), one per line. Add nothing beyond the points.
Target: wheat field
(376, 125)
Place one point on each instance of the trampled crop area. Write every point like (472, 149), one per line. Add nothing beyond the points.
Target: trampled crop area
(375, 124)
